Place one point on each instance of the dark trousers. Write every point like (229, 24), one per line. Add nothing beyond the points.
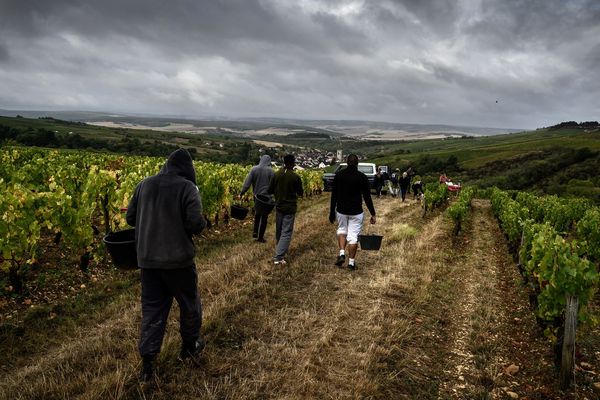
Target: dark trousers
(159, 287)
(403, 192)
(378, 188)
(261, 216)
(260, 224)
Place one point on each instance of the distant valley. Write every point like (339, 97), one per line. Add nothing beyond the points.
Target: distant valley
(272, 127)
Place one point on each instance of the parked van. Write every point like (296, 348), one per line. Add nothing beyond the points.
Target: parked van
(366, 168)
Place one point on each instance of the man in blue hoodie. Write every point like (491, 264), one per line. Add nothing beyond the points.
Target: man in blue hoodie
(260, 177)
(166, 211)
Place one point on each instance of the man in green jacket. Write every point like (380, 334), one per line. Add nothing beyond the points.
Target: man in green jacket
(286, 185)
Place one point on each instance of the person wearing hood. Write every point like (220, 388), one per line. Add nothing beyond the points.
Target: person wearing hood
(259, 178)
(350, 188)
(166, 211)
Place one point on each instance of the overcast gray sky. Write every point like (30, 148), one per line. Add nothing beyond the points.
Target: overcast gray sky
(497, 63)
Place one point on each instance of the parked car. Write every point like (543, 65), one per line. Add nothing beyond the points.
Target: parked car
(366, 168)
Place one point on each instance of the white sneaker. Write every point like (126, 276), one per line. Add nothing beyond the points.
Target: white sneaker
(280, 262)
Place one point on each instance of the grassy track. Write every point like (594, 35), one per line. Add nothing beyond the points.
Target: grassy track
(410, 323)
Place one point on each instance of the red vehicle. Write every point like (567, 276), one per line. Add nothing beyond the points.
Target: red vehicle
(453, 187)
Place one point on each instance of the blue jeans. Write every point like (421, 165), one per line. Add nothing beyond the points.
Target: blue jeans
(284, 226)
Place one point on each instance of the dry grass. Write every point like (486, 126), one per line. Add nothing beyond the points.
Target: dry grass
(309, 330)
(401, 232)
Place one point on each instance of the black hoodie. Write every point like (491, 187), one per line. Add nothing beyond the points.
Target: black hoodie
(350, 187)
(166, 210)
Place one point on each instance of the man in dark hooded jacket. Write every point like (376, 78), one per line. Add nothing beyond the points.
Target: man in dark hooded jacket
(350, 188)
(166, 210)
(260, 177)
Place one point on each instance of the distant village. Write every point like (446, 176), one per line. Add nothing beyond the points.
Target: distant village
(314, 158)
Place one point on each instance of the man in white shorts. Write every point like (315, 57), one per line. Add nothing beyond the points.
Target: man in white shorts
(350, 187)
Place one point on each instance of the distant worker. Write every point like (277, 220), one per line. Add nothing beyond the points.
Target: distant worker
(417, 188)
(404, 184)
(350, 188)
(443, 178)
(259, 178)
(378, 183)
(393, 182)
(286, 185)
(166, 211)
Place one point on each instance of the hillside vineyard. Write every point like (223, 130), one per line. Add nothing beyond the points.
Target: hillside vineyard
(75, 195)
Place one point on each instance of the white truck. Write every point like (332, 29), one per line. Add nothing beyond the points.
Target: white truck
(369, 169)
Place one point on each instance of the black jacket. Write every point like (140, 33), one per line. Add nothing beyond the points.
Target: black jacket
(405, 182)
(350, 187)
(166, 210)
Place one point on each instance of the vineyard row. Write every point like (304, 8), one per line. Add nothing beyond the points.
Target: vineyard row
(556, 243)
(68, 195)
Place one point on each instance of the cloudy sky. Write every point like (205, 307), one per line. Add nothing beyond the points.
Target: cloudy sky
(496, 63)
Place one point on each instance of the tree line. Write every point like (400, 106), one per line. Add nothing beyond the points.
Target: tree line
(41, 137)
(574, 124)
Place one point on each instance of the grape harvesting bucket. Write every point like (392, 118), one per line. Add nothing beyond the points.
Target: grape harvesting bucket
(121, 247)
(238, 211)
(370, 242)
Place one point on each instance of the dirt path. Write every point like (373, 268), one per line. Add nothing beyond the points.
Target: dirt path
(472, 364)
(493, 347)
(316, 331)
(426, 317)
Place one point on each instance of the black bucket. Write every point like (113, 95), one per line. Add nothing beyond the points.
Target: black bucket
(370, 242)
(263, 203)
(121, 246)
(238, 212)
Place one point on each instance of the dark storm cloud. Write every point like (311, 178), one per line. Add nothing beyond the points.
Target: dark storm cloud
(200, 27)
(3, 53)
(413, 61)
(540, 23)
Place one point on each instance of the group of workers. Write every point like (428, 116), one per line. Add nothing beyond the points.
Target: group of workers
(398, 183)
(166, 210)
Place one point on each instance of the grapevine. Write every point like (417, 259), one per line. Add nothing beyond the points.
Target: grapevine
(69, 194)
(459, 209)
